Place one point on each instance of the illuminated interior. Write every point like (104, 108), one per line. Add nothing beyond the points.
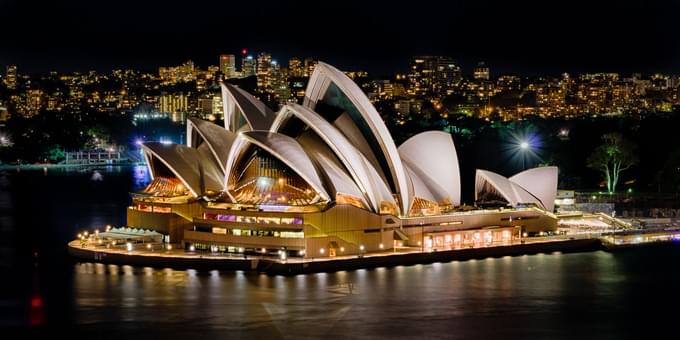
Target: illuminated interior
(166, 187)
(263, 179)
(424, 207)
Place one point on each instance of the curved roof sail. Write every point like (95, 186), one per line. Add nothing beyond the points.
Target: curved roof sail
(541, 182)
(189, 165)
(347, 96)
(423, 186)
(337, 181)
(217, 138)
(533, 186)
(288, 151)
(241, 108)
(432, 154)
(357, 165)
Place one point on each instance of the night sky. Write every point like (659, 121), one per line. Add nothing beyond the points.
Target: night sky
(525, 37)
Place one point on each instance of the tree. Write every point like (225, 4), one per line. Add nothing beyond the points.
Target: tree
(615, 155)
(56, 153)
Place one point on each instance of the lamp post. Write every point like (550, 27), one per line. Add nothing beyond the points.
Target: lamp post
(524, 147)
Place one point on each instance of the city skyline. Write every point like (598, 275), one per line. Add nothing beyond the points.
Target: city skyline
(526, 38)
(313, 169)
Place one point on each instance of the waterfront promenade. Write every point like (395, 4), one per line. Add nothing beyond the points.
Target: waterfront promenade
(158, 256)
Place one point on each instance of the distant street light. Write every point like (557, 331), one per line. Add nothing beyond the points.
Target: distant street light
(524, 146)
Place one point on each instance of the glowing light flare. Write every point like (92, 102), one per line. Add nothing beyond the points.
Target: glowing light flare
(523, 148)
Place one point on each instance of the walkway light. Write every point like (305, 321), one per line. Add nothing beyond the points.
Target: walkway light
(302, 252)
(169, 246)
(381, 246)
(322, 251)
(192, 248)
(129, 246)
(342, 249)
(148, 246)
(361, 247)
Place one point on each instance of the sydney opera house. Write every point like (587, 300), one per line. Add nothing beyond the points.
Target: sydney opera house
(324, 179)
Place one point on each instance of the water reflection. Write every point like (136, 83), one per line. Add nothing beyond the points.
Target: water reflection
(430, 299)
(546, 296)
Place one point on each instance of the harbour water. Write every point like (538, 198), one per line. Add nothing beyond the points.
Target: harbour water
(627, 294)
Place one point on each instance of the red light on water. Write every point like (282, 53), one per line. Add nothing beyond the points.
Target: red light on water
(36, 302)
(37, 314)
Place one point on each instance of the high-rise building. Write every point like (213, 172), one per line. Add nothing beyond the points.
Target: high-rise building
(228, 65)
(447, 76)
(210, 106)
(310, 64)
(247, 66)
(264, 72)
(295, 68)
(183, 73)
(279, 84)
(421, 75)
(11, 77)
(481, 72)
(35, 100)
(175, 105)
(186, 71)
(433, 76)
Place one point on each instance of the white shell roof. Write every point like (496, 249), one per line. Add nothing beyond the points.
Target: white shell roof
(319, 83)
(288, 151)
(218, 139)
(236, 101)
(195, 169)
(336, 178)
(541, 182)
(433, 155)
(359, 167)
(542, 188)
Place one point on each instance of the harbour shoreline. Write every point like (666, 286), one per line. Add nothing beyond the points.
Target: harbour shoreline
(272, 266)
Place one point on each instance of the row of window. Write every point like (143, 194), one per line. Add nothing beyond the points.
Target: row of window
(458, 238)
(241, 250)
(258, 233)
(252, 219)
(153, 208)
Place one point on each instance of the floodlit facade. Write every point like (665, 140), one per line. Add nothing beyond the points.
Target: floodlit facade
(324, 178)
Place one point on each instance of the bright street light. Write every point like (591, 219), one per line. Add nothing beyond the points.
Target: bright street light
(524, 145)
